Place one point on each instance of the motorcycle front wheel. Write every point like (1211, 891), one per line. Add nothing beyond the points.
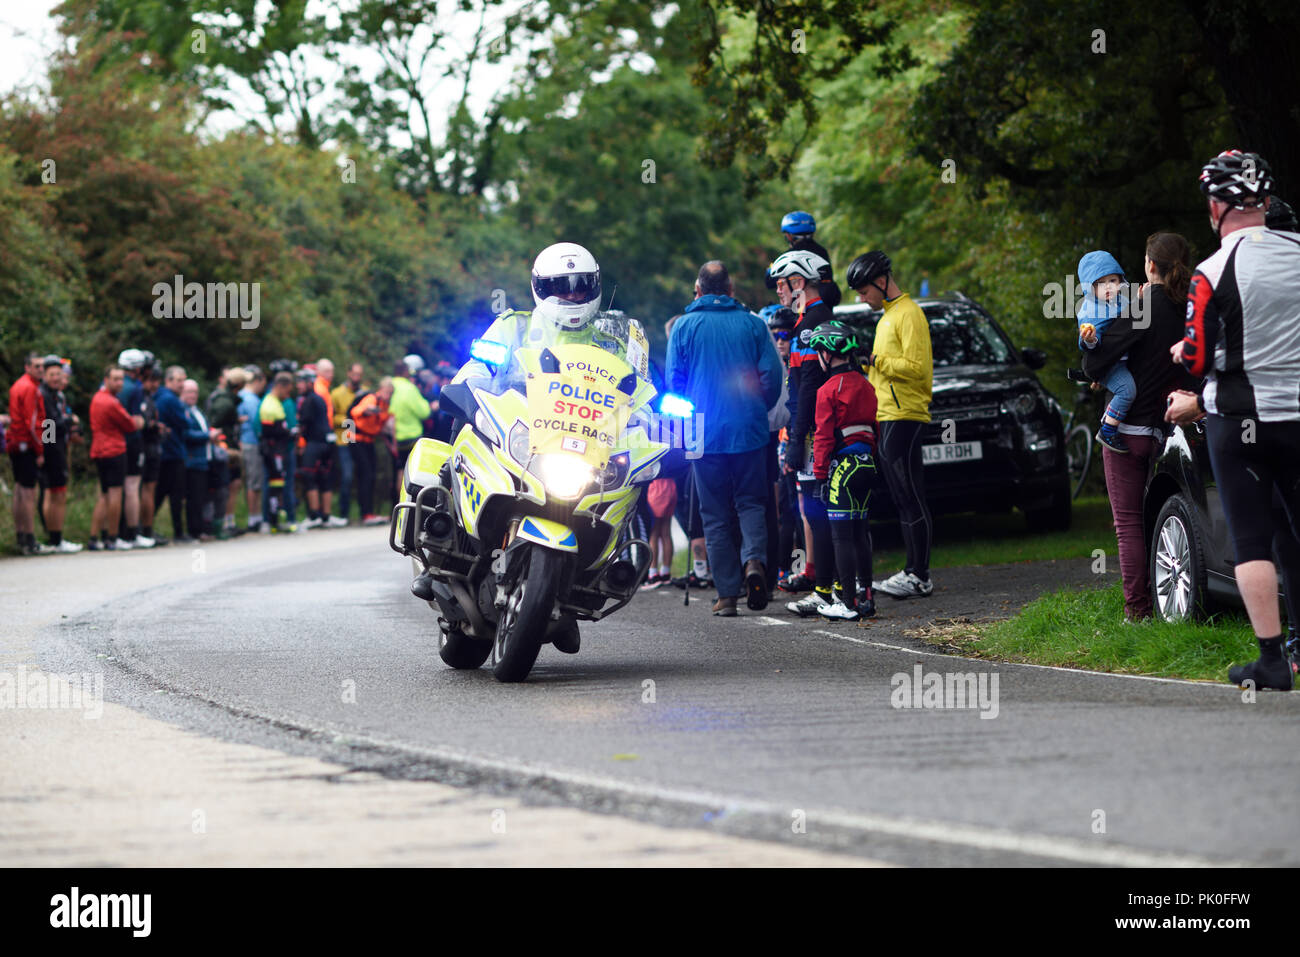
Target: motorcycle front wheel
(524, 620)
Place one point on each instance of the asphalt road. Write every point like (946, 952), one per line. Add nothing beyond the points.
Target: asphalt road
(765, 725)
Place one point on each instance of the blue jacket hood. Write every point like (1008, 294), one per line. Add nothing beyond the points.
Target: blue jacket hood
(1096, 264)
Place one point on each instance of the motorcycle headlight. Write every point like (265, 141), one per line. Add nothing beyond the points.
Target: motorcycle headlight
(565, 476)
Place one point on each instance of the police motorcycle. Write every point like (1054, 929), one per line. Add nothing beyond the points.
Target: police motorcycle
(519, 528)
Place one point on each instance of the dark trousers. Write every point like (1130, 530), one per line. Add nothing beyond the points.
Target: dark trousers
(345, 458)
(363, 461)
(775, 560)
(823, 546)
(171, 489)
(1126, 480)
(791, 528)
(899, 457)
(403, 453)
(196, 496)
(730, 487)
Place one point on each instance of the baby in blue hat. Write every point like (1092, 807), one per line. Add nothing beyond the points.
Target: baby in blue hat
(1102, 279)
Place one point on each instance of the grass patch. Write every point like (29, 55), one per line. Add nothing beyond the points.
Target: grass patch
(999, 538)
(1086, 629)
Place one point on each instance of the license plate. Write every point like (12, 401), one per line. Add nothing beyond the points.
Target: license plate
(951, 452)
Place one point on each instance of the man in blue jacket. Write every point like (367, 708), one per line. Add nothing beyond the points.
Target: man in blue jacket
(721, 357)
(171, 473)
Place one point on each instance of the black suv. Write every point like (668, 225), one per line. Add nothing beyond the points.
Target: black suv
(1191, 555)
(995, 438)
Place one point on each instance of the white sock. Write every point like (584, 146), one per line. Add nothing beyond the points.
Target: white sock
(701, 568)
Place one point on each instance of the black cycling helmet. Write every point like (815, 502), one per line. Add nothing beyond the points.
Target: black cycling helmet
(1281, 216)
(867, 268)
(782, 317)
(282, 365)
(1241, 180)
(835, 338)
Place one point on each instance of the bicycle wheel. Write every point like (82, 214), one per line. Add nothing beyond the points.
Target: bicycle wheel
(1078, 457)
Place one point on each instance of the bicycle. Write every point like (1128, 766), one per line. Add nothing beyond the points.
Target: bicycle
(1078, 437)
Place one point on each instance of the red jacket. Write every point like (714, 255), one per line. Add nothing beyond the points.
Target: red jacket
(27, 410)
(844, 402)
(109, 424)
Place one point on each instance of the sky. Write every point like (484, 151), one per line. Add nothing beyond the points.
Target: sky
(27, 36)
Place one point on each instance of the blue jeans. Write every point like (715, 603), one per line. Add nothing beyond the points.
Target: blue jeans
(1120, 382)
(343, 455)
(732, 488)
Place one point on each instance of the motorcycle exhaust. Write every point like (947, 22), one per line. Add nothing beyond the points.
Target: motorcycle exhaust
(621, 575)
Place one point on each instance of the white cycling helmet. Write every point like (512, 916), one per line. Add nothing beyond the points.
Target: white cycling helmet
(566, 285)
(132, 359)
(413, 362)
(797, 262)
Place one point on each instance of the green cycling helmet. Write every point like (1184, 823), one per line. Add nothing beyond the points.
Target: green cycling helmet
(834, 337)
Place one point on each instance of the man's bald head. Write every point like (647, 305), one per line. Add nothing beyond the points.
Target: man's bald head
(713, 280)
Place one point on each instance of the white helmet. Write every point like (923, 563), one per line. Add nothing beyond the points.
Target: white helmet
(413, 362)
(797, 262)
(566, 285)
(132, 359)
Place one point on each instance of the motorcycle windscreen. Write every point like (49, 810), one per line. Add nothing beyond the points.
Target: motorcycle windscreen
(577, 401)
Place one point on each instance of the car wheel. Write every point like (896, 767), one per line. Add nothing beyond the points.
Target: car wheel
(1178, 582)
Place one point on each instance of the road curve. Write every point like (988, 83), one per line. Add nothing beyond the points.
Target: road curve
(763, 726)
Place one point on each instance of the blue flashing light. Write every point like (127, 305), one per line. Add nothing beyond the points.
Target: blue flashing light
(677, 406)
(488, 352)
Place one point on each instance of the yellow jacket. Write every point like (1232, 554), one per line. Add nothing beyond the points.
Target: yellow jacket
(342, 396)
(903, 370)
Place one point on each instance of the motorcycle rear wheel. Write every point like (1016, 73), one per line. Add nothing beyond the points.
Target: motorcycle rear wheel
(524, 620)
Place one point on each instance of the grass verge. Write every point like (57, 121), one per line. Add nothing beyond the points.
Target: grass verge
(1086, 629)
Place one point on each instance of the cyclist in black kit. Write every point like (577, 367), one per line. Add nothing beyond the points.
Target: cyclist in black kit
(1243, 334)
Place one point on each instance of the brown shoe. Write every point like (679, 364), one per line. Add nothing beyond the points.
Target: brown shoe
(725, 608)
(755, 585)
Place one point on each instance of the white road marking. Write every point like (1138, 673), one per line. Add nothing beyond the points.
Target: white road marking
(973, 836)
(766, 620)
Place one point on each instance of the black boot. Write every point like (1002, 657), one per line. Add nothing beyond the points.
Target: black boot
(1270, 670)
(564, 635)
(422, 587)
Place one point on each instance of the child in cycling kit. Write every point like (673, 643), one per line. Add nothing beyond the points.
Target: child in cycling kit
(1102, 279)
(844, 467)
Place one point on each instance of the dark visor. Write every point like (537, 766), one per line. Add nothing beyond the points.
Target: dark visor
(573, 287)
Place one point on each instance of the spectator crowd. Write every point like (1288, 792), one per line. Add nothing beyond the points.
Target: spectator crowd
(300, 450)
